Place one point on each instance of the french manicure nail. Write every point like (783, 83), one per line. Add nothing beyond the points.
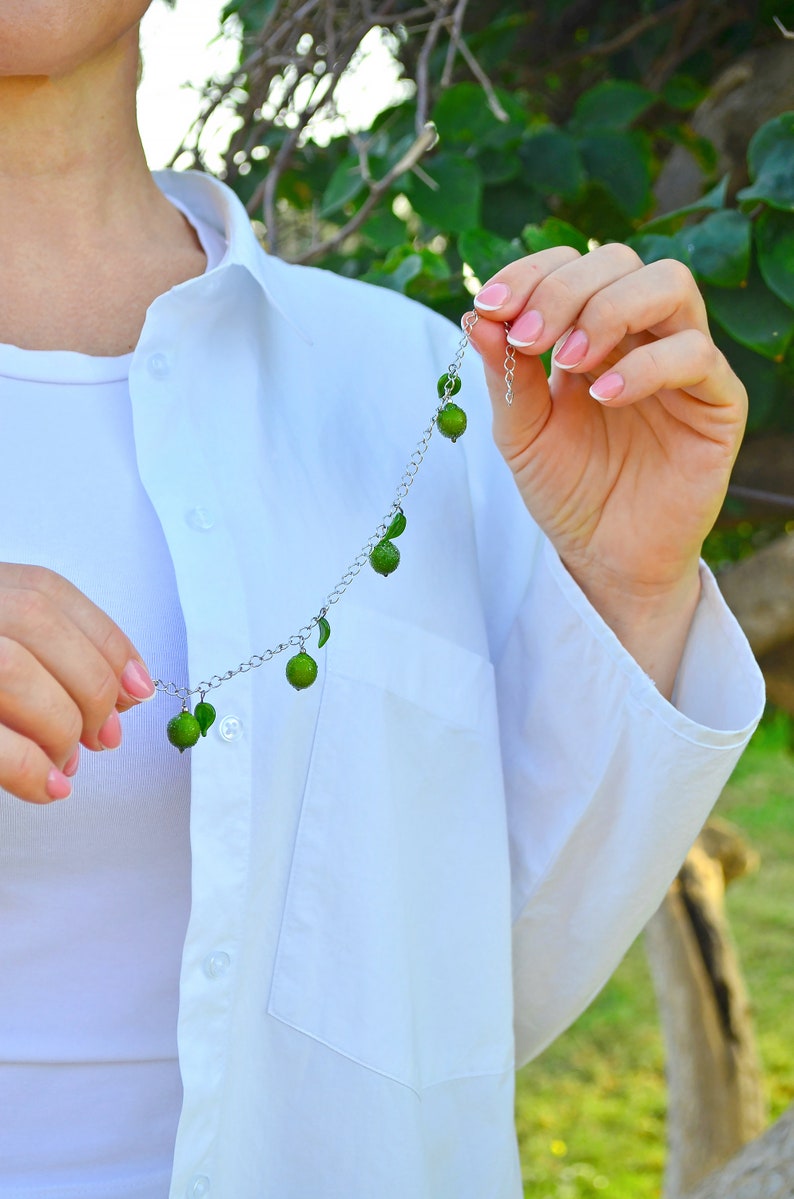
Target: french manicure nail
(572, 350)
(70, 769)
(526, 330)
(608, 387)
(58, 785)
(492, 297)
(136, 681)
(109, 736)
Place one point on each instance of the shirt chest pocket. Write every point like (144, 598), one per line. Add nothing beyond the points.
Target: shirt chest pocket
(395, 941)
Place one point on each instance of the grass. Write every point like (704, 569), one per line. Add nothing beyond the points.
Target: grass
(590, 1112)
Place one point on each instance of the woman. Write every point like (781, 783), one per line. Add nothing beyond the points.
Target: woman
(284, 967)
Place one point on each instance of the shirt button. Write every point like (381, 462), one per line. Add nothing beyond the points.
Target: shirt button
(159, 366)
(198, 1187)
(231, 728)
(216, 964)
(200, 518)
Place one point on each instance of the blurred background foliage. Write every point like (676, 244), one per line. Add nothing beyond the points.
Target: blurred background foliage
(555, 123)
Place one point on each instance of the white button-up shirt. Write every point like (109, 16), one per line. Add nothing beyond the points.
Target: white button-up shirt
(420, 870)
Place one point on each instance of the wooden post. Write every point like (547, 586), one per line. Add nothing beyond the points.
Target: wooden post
(716, 1102)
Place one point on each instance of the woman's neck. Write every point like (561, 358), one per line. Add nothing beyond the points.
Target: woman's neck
(87, 239)
(72, 168)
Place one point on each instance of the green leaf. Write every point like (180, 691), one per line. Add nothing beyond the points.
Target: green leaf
(774, 237)
(404, 265)
(402, 273)
(344, 185)
(683, 93)
(253, 13)
(553, 232)
(506, 207)
(486, 253)
(611, 105)
(498, 165)
(713, 199)
(453, 204)
(324, 630)
(702, 150)
(205, 715)
(397, 524)
(766, 140)
(441, 387)
(763, 379)
(652, 247)
(552, 164)
(622, 164)
(770, 159)
(464, 119)
(383, 229)
(719, 248)
(753, 315)
(775, 182)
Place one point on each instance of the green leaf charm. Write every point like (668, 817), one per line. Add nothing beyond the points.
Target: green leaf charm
(397, 525)
(325, 631)
(183, 731)
(205, 715)
(442, 385)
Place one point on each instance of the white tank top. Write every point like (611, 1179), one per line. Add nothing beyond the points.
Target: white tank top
(94, 891)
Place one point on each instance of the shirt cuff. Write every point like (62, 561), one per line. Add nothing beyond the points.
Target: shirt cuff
(718, 696)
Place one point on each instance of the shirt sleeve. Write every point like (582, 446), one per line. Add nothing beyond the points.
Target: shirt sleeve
(607, 783)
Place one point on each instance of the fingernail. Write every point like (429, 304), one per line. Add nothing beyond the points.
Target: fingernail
(109, 736)
(136, 681)
(58, 785)
(526, 330)
(492, 297)
(608, 387)
(572, 350)
(70, 769)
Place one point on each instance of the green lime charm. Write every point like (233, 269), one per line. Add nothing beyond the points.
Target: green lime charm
(451, 422)
(442, 385)
(325, 632)
(205, 715)
(385, 557)
(183, 730)
(301, 671)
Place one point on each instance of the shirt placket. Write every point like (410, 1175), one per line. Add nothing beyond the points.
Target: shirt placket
(169, 373)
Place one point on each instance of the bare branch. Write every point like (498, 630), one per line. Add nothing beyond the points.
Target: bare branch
(455, 35)
(629, 35)
(484, 82)
(423, 65)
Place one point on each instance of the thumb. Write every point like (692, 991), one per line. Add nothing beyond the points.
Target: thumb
(516, 424)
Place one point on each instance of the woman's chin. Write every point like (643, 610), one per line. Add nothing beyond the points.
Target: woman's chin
(50, 38)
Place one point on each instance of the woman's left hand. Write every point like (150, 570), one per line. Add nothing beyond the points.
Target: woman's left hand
(626, 485)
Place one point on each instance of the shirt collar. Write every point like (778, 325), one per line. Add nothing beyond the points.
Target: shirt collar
(214, 202)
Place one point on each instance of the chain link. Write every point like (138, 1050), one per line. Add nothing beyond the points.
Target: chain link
(298, 640)
(510, 372)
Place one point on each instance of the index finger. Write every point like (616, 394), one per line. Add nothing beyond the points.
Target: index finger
(105, 635)
(504, 295)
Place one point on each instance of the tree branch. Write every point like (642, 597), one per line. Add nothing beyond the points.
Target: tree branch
(425, 142)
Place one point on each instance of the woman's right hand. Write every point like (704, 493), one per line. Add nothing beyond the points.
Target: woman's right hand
(66, 671)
